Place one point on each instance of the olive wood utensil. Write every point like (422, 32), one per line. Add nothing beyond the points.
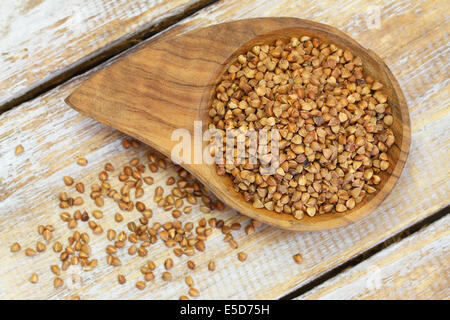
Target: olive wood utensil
(169, 83)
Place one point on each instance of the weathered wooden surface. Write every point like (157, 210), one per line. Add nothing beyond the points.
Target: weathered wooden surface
(412, 42)
(416, 268)
(41, 38)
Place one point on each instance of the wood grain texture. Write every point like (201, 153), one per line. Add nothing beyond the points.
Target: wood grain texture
(40, 39)
(412, 42)
(417, 267)
(168, 85)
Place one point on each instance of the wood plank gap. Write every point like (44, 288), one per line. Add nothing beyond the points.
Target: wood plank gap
(368, 253)
(101, 55)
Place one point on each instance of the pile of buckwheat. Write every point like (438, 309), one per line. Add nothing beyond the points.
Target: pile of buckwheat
(333, 123)
(182, 235)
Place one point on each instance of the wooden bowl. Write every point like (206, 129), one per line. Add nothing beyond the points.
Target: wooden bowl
(127, 97)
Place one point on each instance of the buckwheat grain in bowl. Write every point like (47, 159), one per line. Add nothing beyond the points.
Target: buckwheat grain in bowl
(332, 119)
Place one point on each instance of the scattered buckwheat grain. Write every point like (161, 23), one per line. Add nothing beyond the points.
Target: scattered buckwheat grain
(298, 258)
(19, 149)
(34, 278)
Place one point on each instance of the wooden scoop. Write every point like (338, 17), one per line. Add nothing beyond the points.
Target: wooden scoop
(169, 83)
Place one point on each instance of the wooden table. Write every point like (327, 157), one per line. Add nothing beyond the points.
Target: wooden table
(48, 47)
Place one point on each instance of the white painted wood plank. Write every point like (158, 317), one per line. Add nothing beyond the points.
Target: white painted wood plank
(417, 267)
(41, 38)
